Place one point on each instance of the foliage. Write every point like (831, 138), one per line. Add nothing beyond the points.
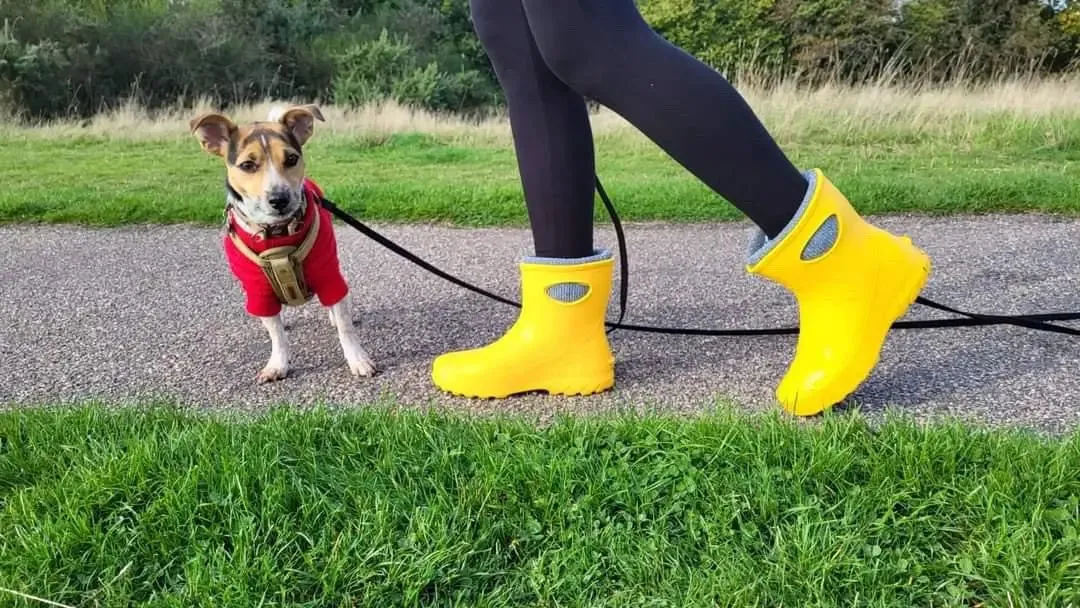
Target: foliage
(722, 33)
(77, 57)
(851, 38)
(984, 37)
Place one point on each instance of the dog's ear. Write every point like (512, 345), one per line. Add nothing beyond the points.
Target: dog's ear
(300, 121)
(214, 132)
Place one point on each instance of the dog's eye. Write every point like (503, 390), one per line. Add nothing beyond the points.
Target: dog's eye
(248, 166)
(291, 159)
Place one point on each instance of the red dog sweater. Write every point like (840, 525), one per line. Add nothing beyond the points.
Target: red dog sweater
(322, 270)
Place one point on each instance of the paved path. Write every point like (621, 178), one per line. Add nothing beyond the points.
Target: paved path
(132, 313)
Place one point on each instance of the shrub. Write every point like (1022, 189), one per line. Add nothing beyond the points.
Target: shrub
(726, 34)
(387, 68)
(74, 57)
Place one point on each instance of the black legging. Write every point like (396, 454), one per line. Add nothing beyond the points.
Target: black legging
(548, 55)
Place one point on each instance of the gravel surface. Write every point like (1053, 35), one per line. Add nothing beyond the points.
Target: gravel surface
(131, 314)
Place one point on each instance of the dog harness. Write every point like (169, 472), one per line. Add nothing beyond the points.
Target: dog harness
(288, 266)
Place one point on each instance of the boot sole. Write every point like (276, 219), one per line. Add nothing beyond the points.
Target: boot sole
(568, 387)
(584, 389)
(566, 376)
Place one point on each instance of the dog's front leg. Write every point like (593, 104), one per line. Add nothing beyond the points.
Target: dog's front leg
(278, 365)
(360, 363)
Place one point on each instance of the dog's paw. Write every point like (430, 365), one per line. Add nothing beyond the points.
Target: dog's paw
(362, 367)
(360, 362)
(271, 373)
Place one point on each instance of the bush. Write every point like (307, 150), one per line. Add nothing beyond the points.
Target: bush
(850, 40)
(75, 57)
(949, 39)
(856, 40)
(34, 75)
(387, 68)
(414, 53)
(726, 34)
(76, 60)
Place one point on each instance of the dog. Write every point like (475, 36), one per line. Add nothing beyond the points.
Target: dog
(279, 242)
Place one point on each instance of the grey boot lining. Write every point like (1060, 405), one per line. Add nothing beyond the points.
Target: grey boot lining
(597, 256)
(569, 292)
(760, 245)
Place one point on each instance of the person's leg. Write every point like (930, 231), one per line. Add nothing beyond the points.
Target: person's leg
(851, 279)
(551, 130)
(558, 343)
(606, 51)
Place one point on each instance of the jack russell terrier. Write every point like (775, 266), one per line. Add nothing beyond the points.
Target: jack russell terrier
(279, 240)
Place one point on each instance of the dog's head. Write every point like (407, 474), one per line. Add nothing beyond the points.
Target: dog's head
(264, 160)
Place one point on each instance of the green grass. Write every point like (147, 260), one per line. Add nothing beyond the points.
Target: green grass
(156, 508)
(370, 508)
(415, 177)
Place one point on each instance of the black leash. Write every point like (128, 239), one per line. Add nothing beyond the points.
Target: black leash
(1033, 321)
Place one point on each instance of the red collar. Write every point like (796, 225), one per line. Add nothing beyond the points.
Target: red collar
(278, 236)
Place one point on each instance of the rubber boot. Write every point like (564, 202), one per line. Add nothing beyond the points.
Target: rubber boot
(558, 343)
(851, 281)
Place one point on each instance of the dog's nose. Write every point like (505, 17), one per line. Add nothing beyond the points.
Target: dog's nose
(279, 201)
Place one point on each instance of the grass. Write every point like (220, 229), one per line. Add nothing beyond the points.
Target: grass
(1006, 147)
(373, 508)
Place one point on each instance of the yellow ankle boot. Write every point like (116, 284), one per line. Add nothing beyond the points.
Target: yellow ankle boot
(851, 280)
(558, 343)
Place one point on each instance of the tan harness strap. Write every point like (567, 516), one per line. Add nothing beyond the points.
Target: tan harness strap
(284, 266)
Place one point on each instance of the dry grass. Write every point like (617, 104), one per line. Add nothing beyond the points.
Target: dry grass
(955, 113)
(1012, 146)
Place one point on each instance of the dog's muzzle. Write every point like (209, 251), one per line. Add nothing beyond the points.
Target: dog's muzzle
(279, 201)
